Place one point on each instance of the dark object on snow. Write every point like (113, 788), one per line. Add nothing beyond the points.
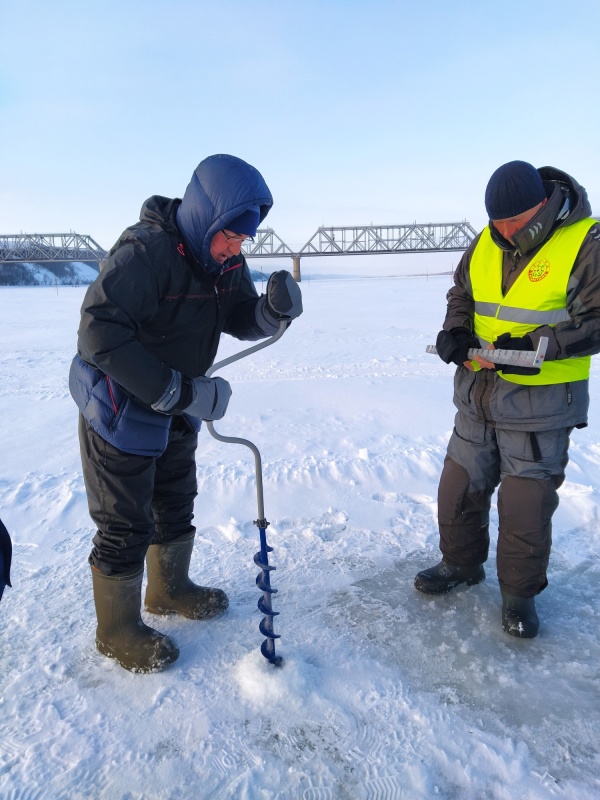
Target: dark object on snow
(444, 577)
(519, 617)
(5, 558)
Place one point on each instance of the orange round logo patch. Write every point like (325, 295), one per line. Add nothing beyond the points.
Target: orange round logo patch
(539, 270)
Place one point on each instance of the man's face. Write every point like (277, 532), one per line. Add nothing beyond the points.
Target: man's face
(508, 227)
(225, 244)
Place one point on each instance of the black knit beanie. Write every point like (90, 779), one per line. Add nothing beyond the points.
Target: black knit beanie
(513, 188)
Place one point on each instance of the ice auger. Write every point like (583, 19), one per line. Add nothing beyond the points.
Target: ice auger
(261, 559)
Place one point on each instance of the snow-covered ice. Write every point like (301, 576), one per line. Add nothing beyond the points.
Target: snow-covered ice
(384, 693)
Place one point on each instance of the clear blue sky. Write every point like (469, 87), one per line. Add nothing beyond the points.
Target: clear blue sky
(355, 112)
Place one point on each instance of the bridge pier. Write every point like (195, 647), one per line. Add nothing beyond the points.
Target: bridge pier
(296, 273)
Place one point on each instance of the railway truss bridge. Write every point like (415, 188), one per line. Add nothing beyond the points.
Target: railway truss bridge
(335, 241)
(363, 240)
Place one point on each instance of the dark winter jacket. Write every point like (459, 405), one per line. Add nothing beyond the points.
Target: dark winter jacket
(485, 394)
(160, 303)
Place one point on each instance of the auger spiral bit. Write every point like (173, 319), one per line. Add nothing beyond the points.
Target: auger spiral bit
(263, 581)
(261, 559)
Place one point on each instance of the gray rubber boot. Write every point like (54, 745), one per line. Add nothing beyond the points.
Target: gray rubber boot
(170, 590)
(444, 577)
(519, 617)
(121, 633)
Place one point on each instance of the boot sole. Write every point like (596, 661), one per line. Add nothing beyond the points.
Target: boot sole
(158, 665)
(199, 616)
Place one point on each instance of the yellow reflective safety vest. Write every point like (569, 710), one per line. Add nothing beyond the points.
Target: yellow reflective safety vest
(537, 297)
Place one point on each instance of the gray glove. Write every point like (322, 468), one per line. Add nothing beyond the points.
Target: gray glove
(205, 398)
(210, 398)
(284, 298)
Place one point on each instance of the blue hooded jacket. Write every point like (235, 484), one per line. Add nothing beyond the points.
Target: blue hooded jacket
(161, 303)
(222, 188)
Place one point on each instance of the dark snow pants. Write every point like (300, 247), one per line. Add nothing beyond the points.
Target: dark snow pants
(529, 469)
(136, 501)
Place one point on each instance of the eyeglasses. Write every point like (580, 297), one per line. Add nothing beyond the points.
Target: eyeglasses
(231, 237)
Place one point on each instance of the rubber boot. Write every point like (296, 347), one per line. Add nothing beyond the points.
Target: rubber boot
(121, 634)
(519, 617)
(444, 577)
(170, 590)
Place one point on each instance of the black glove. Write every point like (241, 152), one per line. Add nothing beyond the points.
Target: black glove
(508, 342)
(284, 298)
(453, 346)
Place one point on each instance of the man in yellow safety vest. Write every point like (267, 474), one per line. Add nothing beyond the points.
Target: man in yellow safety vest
(533, 272)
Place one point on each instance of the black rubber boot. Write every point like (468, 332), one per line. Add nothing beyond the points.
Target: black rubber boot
(170, 590)
(519, 617)
(444, 577)
(121, 633)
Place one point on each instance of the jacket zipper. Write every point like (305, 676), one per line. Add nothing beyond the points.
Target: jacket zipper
(215, 289)
(216, 334)
(112, 397)
(481, 396)
(509, 273)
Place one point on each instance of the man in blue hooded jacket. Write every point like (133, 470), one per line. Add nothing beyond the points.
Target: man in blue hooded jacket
(150, 328)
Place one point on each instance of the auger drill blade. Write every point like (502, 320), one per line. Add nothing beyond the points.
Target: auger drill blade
(263, 582)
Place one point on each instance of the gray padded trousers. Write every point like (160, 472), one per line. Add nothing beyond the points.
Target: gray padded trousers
(528, 468)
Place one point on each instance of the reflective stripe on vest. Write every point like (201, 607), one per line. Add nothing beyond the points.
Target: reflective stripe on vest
(537, 297)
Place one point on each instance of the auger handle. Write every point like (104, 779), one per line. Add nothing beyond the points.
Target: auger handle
(234, 439)
(242, 354)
